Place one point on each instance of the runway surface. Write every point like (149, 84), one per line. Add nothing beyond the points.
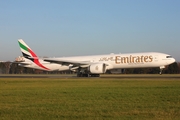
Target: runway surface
(120, 76)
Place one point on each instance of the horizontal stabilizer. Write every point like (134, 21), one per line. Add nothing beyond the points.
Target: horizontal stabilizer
(22, 63)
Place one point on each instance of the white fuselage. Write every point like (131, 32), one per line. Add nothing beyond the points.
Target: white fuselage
(113, 61)
(48, 65)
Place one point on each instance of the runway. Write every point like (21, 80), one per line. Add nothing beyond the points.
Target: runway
(120, 76)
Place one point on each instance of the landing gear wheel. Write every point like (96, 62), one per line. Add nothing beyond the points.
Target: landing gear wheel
(94, 75)
(160, 73)
(82, 75)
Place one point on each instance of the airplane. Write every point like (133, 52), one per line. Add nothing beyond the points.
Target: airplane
(94, 65)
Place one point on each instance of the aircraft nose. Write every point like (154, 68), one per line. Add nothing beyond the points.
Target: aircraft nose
(172, 61)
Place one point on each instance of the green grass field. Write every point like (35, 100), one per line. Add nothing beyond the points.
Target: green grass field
(93, 98)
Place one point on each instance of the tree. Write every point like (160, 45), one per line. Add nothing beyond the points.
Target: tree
(172, 69)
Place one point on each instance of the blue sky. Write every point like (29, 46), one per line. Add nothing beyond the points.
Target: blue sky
(87, 27)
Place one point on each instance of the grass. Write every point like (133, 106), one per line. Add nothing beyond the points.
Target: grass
(96, 98)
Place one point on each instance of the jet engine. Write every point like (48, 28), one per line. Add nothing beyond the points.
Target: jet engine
(97, 68)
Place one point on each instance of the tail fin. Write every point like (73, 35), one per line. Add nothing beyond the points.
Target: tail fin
(26, 50)
(29, 54)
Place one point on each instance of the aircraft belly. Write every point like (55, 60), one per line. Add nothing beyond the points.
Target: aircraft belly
(136, 65)
(58, 67)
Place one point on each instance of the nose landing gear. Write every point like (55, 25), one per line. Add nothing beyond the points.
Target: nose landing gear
(161, 69)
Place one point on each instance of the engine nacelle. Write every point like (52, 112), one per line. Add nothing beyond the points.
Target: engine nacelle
(97, 68)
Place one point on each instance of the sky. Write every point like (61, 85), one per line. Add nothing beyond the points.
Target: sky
(58, 28)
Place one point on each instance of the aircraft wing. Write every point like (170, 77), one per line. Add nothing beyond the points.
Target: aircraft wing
(67, 62)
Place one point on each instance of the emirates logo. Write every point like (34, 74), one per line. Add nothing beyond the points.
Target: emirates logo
(96, 68)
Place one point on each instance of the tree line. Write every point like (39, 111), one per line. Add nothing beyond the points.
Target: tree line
(9, 68)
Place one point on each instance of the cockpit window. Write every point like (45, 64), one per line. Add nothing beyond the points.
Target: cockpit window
(168, 56)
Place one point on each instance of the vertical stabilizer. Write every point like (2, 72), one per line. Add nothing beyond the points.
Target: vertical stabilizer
(26, 50)
(29, 54)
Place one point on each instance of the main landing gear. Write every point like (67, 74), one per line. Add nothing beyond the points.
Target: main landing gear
(85, 73)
